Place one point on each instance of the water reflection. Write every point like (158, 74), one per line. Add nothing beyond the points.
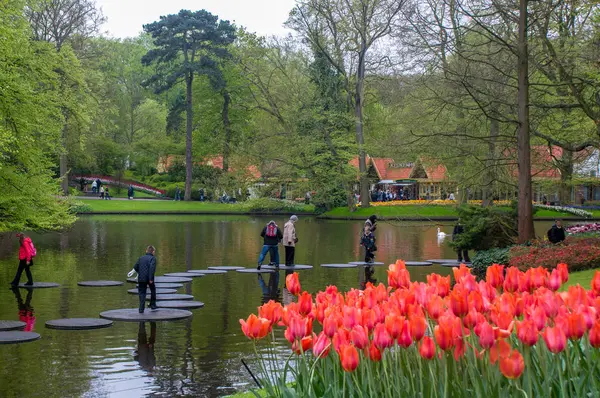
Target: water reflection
(145, 348)
(270, 290)
(365, 275)
(26, 313)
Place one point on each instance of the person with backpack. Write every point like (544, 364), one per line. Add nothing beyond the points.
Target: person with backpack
(367, 239)
(26, 254)
(289, 240)
(146, 267)
(272, 236)
(556, 234)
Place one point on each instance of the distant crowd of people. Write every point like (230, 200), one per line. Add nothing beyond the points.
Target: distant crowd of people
(388, 195)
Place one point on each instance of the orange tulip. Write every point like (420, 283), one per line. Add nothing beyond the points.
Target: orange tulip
(595, 335)
(305, 303)
(443, 336)
(527, 332)
(352, 316)
(374, 353)
(563, 271)
(321, 346)
(381, 337)
(555, 339)
(418, 326)
(292, 283)
(369, 319)
(501, 349)
(271, 311)
(427, 348)
(393, 325)
(596, 283)
(511, 279)
(495, 275)
(459, 302)
(435, 307)
(472, 319)
(340, 339)
(331, 324)
(461, 272)
(538, 316)
(576, 326)
(359, 337)
(349, 357)
(398, 276)
(512, 366)
(440, 284)
(485, 332)
(255, 328)
(306, 344)
(299, 327)
(405, 340)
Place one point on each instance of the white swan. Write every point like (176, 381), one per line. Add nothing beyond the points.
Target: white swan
(441, 234)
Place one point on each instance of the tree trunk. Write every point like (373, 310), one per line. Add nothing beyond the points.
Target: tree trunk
(566, 177)
(525, 221)
(360, 140)
(490, 170)
(188, 138)
(63, 166)
(227, 129)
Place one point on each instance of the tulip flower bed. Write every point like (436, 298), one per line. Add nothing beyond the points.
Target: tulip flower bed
(591, 228)
(579, 253)
(512, 334)
(436, 202)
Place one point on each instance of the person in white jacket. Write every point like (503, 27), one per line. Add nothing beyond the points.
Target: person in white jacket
(289, 240)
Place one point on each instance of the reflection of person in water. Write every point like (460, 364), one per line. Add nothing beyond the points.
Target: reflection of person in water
(270, 291)
(145, 350)
(366, 276)
(26, 313)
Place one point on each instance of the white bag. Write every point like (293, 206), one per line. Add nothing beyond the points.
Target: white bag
(132, 273)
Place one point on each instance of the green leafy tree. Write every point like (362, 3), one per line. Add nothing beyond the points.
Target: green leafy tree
(188, 44)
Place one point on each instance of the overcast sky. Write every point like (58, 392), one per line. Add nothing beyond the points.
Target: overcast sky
(265, 17)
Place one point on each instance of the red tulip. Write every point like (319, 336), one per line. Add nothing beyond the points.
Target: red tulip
(459, 302)
(472, 319)
(512, 366)
(538, 316)
(486, 335)
(461, 272)
(527, 332)
(427, 348)
(405, 340)
(576, 326)
(352, 316)
(563, 272)
(595, 335)
(435, 307)
(349, 357)
(495, 275)
(393, 325)
(381, 337)
(271, 311)
(596, 283)
(418, 326)
(340, 339)
(369, 318)
(554, 282)
(440, 284)
(374, 353)
(555, 339)
(306, 344)
(331, 324)
(292, 283)
(359, 336)
(398, 276)
(511, 279)
(299, 327)
(443, 336)
(255, 328)
(305, 303)
(501, 349)
(460, 349)
(321, 346)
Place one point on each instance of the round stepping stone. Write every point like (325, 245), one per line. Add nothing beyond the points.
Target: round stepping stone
(133, 315)
(185, 274)
(365, 263)
(6, 326)
(284, 267)
(208, 271)
(164, 279)
(418, 263)
(39, 285)
(164, 297)
(339, 265)
(100, 283)
(158, 291)
(443, 261)
(226, 268)
(256, 271)
(455, 264)
(17, 337)
(167, 285)
(78, 323)
(180, 304)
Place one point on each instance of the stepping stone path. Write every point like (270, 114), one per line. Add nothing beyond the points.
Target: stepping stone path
(207, 271)
(17, 337)
(365, 263)
(11, 325)
(132, 315)
(78, 324)
(39, 285)
(255, 271)
(418, 263)
(158, 291)
(339, 265)
(185, 274)
(163, 297)
(443, 261)
(456, 264)
(226, 268)
(167, 285)
(284, 267)
(100, 283)
(164, 279)
(180, 304)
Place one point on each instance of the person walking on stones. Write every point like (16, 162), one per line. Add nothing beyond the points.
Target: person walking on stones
(463, 254)
(271, 237)
(556, 234)
(289, 240)
(130, 192)
(146, 267)
(368, 238)
(26, 254)
(177, 193)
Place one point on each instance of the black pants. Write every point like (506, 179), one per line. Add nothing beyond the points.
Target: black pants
(23, 266)
(290, 251)
(369, 255)
(142, 286)
(463, 254)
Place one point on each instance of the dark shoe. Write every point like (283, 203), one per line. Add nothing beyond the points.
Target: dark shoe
(153, 307)
(141, 311)
(12, 284)
(258, 267)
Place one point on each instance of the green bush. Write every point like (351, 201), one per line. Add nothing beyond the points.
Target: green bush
(77, 207)
(275, 205)
(484, 258)
(486, 228)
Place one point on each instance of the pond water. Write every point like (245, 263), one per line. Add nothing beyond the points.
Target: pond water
(200, 356)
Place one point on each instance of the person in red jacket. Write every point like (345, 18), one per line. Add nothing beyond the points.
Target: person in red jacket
(25, 259)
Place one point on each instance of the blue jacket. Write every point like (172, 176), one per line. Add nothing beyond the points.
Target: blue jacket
(145, 267)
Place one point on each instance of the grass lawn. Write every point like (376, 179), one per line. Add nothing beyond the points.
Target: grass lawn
(584, 278)
(417, 211)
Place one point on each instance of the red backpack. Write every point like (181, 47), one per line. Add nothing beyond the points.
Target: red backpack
(271, 230)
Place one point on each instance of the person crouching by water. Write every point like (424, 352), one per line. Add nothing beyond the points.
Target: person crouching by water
(26, 253)
(146, 267)
(272, 236)
(462, 253)
(289, 240)
(368, 239)
(556, 234)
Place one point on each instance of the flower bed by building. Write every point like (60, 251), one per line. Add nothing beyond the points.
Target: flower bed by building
(123, 183)
(512, 334)
(564, 209)
(434, 202)
(579, 253)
